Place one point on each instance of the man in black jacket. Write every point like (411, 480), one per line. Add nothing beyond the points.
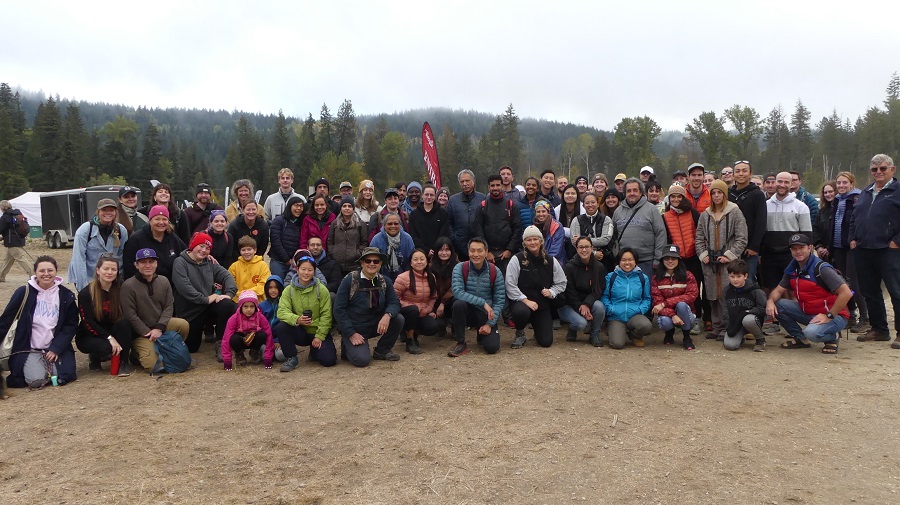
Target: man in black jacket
(752, 202)
(429, 221)
(14, 243)
(199, 211)
(499, 223)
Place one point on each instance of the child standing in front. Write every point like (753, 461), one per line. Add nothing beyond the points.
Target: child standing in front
(745, 304)
(249, 271)
(248, 328)
(269, 308)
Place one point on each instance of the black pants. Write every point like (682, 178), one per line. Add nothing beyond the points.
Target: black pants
(359, 355)
(237, 341)
(464, 315)
(874, 266)
(426, 325)
(541, 320)
(845, 261)
(99, 347)
(291, 336)
(218, 312)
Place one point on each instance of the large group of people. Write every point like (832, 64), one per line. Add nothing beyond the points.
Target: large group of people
(739, 256)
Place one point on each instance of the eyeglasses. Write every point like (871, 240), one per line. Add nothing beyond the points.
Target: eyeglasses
(727, 172)
(372, 261)
(883, 168)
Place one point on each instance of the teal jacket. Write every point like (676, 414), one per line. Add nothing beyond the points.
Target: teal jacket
(477, 289)
(624, 298)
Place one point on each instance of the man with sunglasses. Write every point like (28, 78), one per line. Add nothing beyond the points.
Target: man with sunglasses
(875, 241)
(366, 306)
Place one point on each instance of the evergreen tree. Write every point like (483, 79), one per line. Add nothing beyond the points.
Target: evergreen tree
(802, 137)
(119, 150)
(345, 129)
(393, 155)
(12, 172)
(42, 160)
(325, 137)
(466, 156)
(151, 154)
(748, 128)
(509, 144)
(373, 161)
(777, 138)
(448, 152)
(73, 156)
(280, 150)
(601, 155)
(892, 106)
(337, 168)
(709, 132)
(247, 158)
(307, 150)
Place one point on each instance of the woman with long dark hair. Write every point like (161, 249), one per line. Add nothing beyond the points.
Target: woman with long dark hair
(585, 281)
(224, 249)
(417, 290)
(442, 267)
(611, 200)
(284, 233)
(317, 222)
(162, 195)
(822, 226)
(674, 291)
(104, 331)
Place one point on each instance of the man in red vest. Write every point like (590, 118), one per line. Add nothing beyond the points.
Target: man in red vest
(821, 299)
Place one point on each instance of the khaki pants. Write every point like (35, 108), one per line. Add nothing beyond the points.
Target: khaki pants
(144, 350)
(14, 255)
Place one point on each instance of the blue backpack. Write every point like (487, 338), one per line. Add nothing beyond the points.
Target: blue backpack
(173, 354)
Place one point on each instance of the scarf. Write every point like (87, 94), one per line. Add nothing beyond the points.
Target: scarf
(393, 252)
(839, 212)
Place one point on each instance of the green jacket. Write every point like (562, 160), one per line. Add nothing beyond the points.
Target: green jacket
(315, 297)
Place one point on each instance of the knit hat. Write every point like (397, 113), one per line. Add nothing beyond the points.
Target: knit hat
(614, 192)
(581, 178)
(677, 189)
(532, 231)
(198, 239)
(294, 199)
(322, 180)
(721, 186)
(366, 183)
(413, 184)
(348, 199)
(202, 188)
(158, 210)
(248, 295)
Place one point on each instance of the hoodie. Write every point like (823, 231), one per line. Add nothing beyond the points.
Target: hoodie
(194, 282)
(269, 306)
(739, 302)
(783, 219)
(46, 313)
(752, 202)
(250, 275)
(239, 323)
(645, 233)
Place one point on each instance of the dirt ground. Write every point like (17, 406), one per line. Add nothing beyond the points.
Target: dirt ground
(568, 424)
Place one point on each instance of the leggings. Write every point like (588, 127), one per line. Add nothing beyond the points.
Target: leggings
(541, 320)
(98, 346)
(424, 325)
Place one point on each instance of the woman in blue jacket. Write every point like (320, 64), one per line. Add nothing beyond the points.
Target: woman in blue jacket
(284, 236)
(553, 232)
(627, 299)
(395, 244)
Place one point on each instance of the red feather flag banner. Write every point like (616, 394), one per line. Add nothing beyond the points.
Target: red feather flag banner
(429, 154)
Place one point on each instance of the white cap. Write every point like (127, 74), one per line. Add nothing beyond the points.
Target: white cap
(647, 168)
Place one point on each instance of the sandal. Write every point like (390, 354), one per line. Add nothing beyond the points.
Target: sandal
(830, 348)
(795, 344)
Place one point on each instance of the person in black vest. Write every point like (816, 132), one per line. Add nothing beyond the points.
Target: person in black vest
(534, 279)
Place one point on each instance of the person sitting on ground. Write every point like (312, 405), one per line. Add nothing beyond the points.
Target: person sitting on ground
(317, 222)
(627, 298)
(347, 236)
(47, 322)
(745, 305)
(417, 290)
(248, 328)
(674, 291)
(157, 235)
(104, 331)
(251, 224)
(148, 304)
(284, 235)
(821, 304)
(224, 249)
(396, 245)
(305, 318)
(269, 306)
(203, 292)
(101, 234)
(479, 294)
(441, 267)
(249, 270)
(366, 306)
(585, 282)
(534, 279)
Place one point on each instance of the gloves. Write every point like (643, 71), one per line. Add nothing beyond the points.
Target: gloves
(228, 366)
(268, 364)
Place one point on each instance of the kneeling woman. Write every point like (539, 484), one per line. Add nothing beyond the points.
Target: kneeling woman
(533, 280)
(47, 324)
(627, 299)
(104, 331)
(674, 291)
(585, 280)
(417, 290)
(304, 318)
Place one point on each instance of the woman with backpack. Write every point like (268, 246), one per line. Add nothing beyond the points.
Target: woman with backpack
(101, 234)
(627, 299)
(104, 331)
(47, 318)
(14, 230)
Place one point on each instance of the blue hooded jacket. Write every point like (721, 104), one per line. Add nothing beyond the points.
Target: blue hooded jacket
(269, 306)
(625, 299)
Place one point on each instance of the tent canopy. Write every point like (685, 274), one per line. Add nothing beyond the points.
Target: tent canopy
(30, 205)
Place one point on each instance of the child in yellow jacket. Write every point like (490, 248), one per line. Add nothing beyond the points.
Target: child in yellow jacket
(250, 271)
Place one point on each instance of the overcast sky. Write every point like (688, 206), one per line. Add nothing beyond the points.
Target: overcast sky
(587, 62)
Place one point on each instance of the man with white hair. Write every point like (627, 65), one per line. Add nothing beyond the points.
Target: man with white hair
(461, 212)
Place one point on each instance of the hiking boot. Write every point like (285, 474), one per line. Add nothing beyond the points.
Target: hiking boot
(519, 341)
(760, 345)
(402, 338)
(669, 338)
(240, 359)
(94, 363)
(638, 342)
(711, 336)
(458, 351)
(773, 328)
(387, 356)
(687, 343)
(290, 364)
(124, 369)
(896, 343)
(874, 335)
(595, 341)
(571, 335)
(412, 345)
(860, 326)
(442, 333)
(255, 358)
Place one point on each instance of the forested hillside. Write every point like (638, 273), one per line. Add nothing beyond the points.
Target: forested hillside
(51, 143)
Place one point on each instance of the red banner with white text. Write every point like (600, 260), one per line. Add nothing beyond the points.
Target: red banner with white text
(430, 155)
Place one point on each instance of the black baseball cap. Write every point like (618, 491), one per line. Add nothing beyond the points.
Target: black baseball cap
(124, 190)
(391, 191)
(799, 239)
(202, 188)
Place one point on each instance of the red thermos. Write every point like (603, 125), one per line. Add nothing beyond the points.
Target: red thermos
(114, 365)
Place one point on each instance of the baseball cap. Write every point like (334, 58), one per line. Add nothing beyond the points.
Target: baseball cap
(124, 190)
(144, 254)
(647, 169)
(345, 184)
(681, 173)
(799, 239)
(696, 165)
(620, 177)
(106, 202)
(202, 188)
(671, 251)
(391, 191)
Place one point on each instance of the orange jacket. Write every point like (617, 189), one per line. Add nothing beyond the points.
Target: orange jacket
(682, 231)
(700, 204)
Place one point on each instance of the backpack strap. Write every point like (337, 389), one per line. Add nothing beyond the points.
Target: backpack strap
(492, 273)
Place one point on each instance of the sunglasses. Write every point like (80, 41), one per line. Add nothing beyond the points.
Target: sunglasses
(741, 161)
(882, 168)
(301, 259)
(372, 261)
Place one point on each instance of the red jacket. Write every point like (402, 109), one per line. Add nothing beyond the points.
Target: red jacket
(812, 297)
(670, 293)
(313, 227)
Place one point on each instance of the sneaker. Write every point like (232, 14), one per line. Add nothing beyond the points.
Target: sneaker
(771, 328)
(412, 345)
(861, 326)
(94, 363)
(458, 351)
(387, 356)
(519, 341)
(556, 324)
(571, 335)
(638, 342)
(255, 358)
(874, 335)
(510, 323)
(896, 343)
(687, 344)
(595, 341)
(124, 369)
(290, 364)
(711, 336)
(760, 345)
(695, 330)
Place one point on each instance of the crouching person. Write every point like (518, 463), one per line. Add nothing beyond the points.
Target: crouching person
(627, 299)
(479, 295)
(745, 305)
(585, 282)
(147, 303)
(533, 281)
(304, 317)
(104, 332)
(821, 303)
(366, 306)
(248, 328)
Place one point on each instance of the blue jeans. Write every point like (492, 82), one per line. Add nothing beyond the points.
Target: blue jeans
(683, 311)
(752, 264)
(790, 314)
(578, 323)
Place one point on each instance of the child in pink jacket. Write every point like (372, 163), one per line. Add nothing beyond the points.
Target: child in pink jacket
(248, 328)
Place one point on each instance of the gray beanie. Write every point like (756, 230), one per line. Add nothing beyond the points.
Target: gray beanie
(348, 199)
(532, 231)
